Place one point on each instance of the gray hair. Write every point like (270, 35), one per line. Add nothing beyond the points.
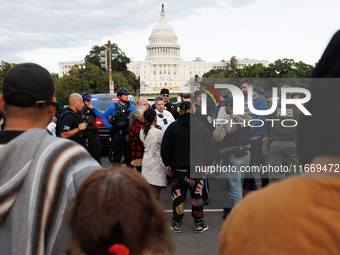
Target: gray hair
(137, 112)
(158, 99)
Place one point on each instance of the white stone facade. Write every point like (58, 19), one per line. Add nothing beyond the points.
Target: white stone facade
(163, 66)
(65, 67)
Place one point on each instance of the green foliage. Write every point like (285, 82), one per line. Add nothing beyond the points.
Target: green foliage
(55, 75)
(4, 67)
(231, 70)
(118, 58)
(96, 80)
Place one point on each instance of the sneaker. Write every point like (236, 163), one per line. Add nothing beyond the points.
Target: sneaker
(200, 227)
(176, 227)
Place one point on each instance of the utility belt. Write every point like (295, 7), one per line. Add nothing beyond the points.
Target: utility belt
(238, 151)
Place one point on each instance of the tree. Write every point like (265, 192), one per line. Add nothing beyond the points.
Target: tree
(94, 81)
(118, 58)
(55, 75)
(4, 68)
(232, 70)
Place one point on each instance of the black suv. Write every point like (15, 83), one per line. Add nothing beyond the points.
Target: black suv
(102, 101)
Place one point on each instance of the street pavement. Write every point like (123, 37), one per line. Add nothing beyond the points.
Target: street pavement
(188, 242)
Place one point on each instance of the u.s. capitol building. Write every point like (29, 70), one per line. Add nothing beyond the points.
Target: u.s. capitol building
(163, 66)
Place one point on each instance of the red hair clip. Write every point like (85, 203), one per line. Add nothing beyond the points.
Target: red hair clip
(119, 249)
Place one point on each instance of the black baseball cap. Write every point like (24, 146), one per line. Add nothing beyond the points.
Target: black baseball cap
(164, 91)
(229, 101)
(31, 80)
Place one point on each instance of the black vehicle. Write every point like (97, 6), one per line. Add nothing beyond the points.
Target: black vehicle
(102, 101)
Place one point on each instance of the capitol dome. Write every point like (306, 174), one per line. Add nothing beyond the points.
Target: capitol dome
(163, 41)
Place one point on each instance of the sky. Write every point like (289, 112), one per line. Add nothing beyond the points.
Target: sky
(49, 31)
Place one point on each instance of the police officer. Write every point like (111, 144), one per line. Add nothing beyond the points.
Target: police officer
(118, 124)
(91, 113)
(282, 147)
(167, 105)
(71, 124)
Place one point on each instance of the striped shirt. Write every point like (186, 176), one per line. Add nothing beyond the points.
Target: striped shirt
(39, 177)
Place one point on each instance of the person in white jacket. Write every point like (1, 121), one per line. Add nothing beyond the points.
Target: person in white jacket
(153, 167)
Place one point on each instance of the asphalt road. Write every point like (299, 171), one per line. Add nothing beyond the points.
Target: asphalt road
(189, 242)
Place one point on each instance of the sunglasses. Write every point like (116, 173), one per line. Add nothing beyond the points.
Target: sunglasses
(165, 95)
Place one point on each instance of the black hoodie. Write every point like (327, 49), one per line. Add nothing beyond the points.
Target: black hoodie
(187, 142)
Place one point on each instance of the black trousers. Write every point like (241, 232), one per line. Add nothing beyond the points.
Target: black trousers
(94, 147)
(180, 183)
(119, 145)
(256, 159)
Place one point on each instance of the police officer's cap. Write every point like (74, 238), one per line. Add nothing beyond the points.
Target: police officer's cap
(86, 96)
(226, 93)
(123, 91)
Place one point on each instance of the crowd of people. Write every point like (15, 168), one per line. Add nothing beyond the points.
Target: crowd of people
(55, 198)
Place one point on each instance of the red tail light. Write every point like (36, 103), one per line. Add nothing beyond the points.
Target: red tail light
(114, 99)
(99, 122)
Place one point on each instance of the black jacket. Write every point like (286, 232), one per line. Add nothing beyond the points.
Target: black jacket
(187, 142)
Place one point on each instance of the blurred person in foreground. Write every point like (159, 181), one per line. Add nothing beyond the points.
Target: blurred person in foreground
(299, 215)
(39, 173)
(1, 118)
(121, 214)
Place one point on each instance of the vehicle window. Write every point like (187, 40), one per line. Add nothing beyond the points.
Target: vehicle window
(102, 103)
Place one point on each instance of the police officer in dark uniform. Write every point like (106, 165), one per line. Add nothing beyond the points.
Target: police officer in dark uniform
(93, 131)
(71, 124)
(116, 119)
(167, 105)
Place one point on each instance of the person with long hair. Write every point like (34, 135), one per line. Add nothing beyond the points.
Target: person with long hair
(137, 148)
(115, 212)
(153, 167)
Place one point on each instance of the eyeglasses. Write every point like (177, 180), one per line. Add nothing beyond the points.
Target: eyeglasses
(165, 95)
(269, 102)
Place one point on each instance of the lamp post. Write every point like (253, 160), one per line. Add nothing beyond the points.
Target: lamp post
(82, 71)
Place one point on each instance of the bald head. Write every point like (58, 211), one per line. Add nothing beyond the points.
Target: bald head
(76, 102)
(142, 101)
